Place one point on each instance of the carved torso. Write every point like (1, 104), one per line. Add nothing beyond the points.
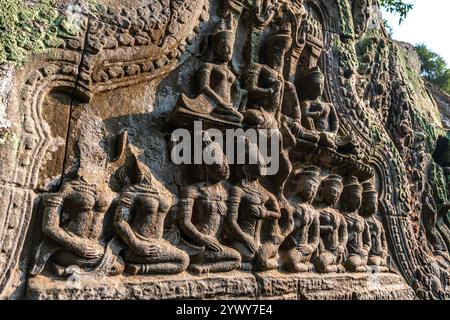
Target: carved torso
(330, 219)
(254, 201)
(356, 226)
(320, 115)
(80, 214)
(221, 81)
(210, 209)
(149, 210)
(376, 230)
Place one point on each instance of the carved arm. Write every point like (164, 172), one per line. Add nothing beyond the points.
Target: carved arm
(188, 197)
(367, 241)
(384, 245)
(333, 120)
(255, 92)
(307, 119)
(51, 225)
(205, 85)
(343, 234)
(236, 196)
(121, 224)
(272, 211)
(314, 234)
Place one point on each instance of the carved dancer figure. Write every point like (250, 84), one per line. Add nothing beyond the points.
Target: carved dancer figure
(273, 102)
(139, 221)
(202, 216)
(379, 251)
(72, 223)
(317, 115)
(361, 14)
(253, 217)
(333, 227)
(359, 244)
(219, 87)
(303, 242)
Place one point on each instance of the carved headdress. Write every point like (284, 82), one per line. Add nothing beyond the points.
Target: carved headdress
(132, 171)
(352, 183)
(333, 181)
(224, 29)
(369, 191)
(312, 173)
(219, 167)
(253, 157)
(312, 75)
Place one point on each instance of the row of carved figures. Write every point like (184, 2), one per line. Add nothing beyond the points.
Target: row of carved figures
(216, 226)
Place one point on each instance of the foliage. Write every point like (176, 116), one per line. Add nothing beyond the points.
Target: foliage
(399, 7)
(434, 67)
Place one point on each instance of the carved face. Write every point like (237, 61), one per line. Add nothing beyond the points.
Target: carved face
(317, 87)
(370, 206)
(254, 171)
(307, 188)
(218, 172)
(331, 194)
(223, 47)
(352, 199)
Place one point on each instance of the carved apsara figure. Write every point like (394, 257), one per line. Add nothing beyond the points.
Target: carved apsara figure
(273, 102)
(333, 227)
(220, 92)
(202, 215)
(72, 225)
(254, 214)
(303, 242)
(359, 244)
(379, 251)
(139, 221)
(361, 14)
(318, 116)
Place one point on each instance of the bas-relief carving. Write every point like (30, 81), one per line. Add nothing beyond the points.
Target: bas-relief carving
(254, 214)
(139, 218)
(333, 226)
(304, 240)
(202, 215)
(320, 213)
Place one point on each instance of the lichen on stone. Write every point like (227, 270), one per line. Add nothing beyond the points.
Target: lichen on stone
(26, 28)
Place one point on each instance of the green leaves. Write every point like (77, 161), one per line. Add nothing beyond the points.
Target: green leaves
(399, 7)
(434, 67)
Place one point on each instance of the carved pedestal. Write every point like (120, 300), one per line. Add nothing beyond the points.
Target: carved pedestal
(233, 285)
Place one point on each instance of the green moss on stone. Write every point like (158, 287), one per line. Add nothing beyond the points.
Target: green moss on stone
(346, 20)
(27, 29)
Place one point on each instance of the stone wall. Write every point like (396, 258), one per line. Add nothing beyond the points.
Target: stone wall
(93, 95)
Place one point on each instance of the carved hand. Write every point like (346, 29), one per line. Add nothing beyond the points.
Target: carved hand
(143, 248)
(327, 229)
(296, 128)
(213, 244)
(89, 249)
(363, 253)
(150, 249)
(251, 244)
(305, 250)
(340, 251)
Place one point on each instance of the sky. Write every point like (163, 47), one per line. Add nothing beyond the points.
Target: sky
(428, 22)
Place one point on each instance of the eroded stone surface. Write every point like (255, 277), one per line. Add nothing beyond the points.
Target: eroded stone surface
(183, 286)
(90, 185)
(235, 285)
